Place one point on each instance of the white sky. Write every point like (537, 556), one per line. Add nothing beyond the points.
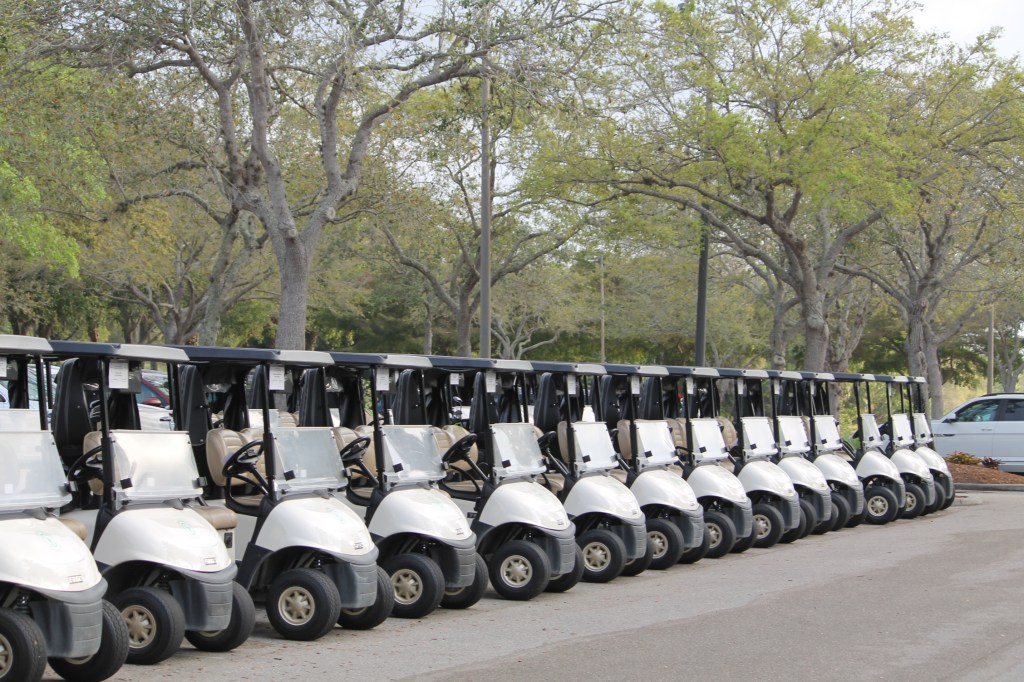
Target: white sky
(963, 20)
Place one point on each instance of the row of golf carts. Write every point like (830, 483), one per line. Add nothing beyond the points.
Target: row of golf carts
(343, 488)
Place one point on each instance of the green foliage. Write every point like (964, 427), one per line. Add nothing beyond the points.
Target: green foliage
(963, 458)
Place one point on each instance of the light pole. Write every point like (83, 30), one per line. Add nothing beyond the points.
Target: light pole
(600, 264)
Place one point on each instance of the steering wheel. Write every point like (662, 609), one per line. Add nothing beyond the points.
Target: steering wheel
(546, 440)
(88, 466)
(459, 449)
(244, 459)
(353, 452)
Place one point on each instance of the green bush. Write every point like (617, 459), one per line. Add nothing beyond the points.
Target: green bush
(963, 458)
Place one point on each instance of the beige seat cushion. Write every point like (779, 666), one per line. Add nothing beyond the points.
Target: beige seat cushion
(619, 474)
(625, 443)
(287, 420)
(563, 442)
(92, 441)
(221, 443)
(75, 526)
(220, 518)
(449, 436)
(728, 432)
(553, 482)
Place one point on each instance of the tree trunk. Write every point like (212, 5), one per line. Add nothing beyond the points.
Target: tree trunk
(428, 325)
(464, 326)
(815, 329)
(933, 375)
(291, 322)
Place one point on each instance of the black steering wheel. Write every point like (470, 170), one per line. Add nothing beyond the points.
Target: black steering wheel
(459, 449)
(88, 466)
(353, 452)
(244, 460)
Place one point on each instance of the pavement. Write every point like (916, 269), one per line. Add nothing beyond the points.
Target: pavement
(934, 598)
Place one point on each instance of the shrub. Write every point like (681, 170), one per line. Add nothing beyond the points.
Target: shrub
(991, 462)
(963, 458)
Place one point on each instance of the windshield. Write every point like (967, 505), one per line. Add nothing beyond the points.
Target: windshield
(594, 450)
(708, 443)
(922, 429)
(902, 432)
(31, 475)
(758, 437)
(306, 459)
(870, 436)
(411, 455)
(19, 420)
(516, 452)
(154, 466)
(655, 443)
(793, 435)
(827, 432)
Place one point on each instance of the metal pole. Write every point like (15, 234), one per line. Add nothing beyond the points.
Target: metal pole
(600, 263)
(485, 220)
(702, 298)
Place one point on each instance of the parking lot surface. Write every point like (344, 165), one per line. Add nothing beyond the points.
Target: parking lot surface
(935, 598)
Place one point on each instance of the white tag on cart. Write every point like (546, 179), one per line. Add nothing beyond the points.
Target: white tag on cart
(3, 368)
(776, 387)
(491, 379)
(570, 384)
(741, 386)
(634, 385)
(117, 375)
(814, 388)
(455, 379)
(276, 379)
(382, 379)
(689, 385)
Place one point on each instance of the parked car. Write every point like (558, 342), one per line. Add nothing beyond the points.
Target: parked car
(155, 389)
(986, 426)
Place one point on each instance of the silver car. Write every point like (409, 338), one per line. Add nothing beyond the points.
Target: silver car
(986, 426)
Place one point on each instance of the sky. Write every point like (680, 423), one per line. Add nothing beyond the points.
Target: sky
(963, 20)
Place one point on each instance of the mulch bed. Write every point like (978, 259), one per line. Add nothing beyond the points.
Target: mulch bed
(975, 473)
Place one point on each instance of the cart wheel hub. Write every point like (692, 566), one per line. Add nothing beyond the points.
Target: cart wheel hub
(596, 556)
(715, 533)
(761, 526)
(141, 625)
(408, 586)
(6, 657)
(296, 605)
(516, 570)
(659, 543)
(878, 505)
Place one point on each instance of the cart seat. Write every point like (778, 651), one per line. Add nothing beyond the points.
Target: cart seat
(553, 482)
(343, 436)
(449, 435)
(92, 442)
(625, 443)
(221, 518)
(619, 475)
(75, 526)
(221, 443)
(728, 432)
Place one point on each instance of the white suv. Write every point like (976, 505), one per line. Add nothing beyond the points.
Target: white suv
(987, 426)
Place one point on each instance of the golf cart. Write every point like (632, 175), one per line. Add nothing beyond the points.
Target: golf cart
(674, 518)
(523, 531)
(806, 426)
(884, 489)
(425, 542)
(610, 527)
(139, 497)
(922, 495)
(915, 388)
(686, 401)
(306, 554)
(51, 591)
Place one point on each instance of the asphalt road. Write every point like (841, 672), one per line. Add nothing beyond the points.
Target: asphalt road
(936, 598)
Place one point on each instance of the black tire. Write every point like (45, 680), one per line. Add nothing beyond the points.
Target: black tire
(940, 495)
(794, 534)
(105, 663)
(243, 618)
(916, 501)
(519, 570)
(24, 649)
(826, 525)
(857, 519)
(948, 498)
(567, 581)
(880, 505)
(156, 624)
(604, 555)
(743, 544)
(303, 604)
(695, 554)
(812, 517)
(721, 531)
(464, 597)
(768, 525)
(418, 584)
(667, 542)
(370, 617)
(640, 564)
(840, 511)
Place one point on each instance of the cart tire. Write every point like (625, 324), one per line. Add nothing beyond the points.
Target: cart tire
(604, 555)
(840, 512)
(916, 502)
(567, 581)
(105, 663)
(640, 564)
(243, 618)
(949, 499)
(667, 541)
(880, 505)
(768, 525)
(303, 604)
(156, 624)
(802, 528)
(812, 517)
(519, 570)
(464, 597)
(370, 617)
(743, 544)
(22, 647)
(418, 583)
(722, 532)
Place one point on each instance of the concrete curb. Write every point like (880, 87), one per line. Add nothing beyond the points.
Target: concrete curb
(1004, 487)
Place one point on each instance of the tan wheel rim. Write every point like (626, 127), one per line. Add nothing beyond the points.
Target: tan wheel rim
(408, 586)
(516, 570)
(6, 657)
(878, 505)
(596, 555)
(762, 526)
(910, 500)
(659, 543)
(141, 625)
(715, 533)
(296, 605)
